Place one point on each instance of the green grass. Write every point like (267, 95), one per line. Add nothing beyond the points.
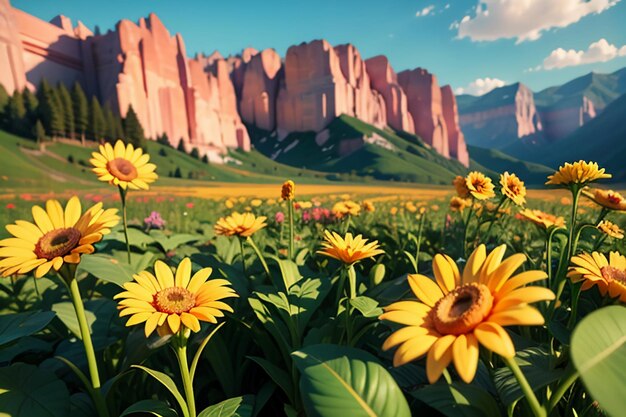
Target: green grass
(529, 172)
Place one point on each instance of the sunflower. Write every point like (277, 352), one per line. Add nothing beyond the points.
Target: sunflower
(579, 173)
(168, 303)
(346, 208)
(237, 224)
(57, 236)
(607, 198)
(479, 186)
(124, 166)
(594, 269)
(611, 229)
(459, 204)
(513, 188)
(541, 219)
(461, 187)
(349, 249)
(287, 192)
(455, 313)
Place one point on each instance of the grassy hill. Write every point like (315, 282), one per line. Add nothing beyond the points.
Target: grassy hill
(529, 172)
(386, 155)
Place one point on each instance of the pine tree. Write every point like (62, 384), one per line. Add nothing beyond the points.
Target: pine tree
(49, 111)
(164, 140)
(16, 114)
(133, 132)
(32, 106)
(178, 173)
(181, 146)
(96, 120)
(119, 127)
(205, 158)
(80, 110)
(39, 132)
(4, 101)
(109, 131)
(195, 153)
(68, 111)
(60, 126)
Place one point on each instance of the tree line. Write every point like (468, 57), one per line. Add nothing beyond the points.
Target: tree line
(56, 112)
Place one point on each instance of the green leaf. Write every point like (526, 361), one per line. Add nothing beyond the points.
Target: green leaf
(153, 407)
(338, 380)
(458, 399)
(367, 306)
(169, 243)
(15, 326)
(278, 375)
(136, 238)
(288, 271)
(27, 391)
(599, 354)
(99, 313)
(377, 274)
(233, 407)
(65, 312)
(167, 383)
(106, 268)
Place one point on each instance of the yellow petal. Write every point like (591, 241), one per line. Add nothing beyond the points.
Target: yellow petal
(446, 273)
(402, 335)
(494, 259)
(498, 277)
(138, 318)
(55, 211)
(164, 274)
(495, 338)
(151, 324)
(439, 357)
(520, 316)
(465, 355)
(413, 349)
(198, 279)
(72, 211)
(25, 230)
(403, 317)
(183, 273)
(42, 219)
(425, 289)
(173, 320)
(190, 321)
(524, 295)
(520, 280)
(471, 272)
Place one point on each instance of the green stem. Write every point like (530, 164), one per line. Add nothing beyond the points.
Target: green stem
(243, 257)
(79, 308)
(181, 355)
(535, 406)
(124, 220)
(466, 226)
(567, 381)
(259, 254)
(419, 242)
(291, 231)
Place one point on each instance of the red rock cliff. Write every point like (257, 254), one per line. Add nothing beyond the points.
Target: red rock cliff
(456, 140)
(260, 89)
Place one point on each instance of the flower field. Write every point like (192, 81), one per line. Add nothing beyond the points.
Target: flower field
(479, 299)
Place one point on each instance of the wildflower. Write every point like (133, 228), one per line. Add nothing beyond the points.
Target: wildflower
(189, 205)
(306, 216)
(288, 190)
(10, 206)
(595, 270)
(513, 188)
(237, 224)
(346, 208)
(607, 198)
(170, 303)
(124, 166)
(457, 312)
(578, 173)
(229, 204)
(461, 187)
(256, 202)
(479, 186)
(279, 217)
(611, 229)
(57, 236)
(349, 249)
(459, 204)
(541, 219)
(154, 221)
(368, 206)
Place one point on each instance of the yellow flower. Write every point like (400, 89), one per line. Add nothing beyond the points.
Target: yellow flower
(457, 312)
(513, 188)
(461, 187)
(57, 236)
(611, 229)
(368, 206)
(349, 249)
(541, 219)
(479, 186)
(578, 173)
(256, 202)
(607, 198)
(393, 211)
(594, 269)
(346, 208)
(305, 204)
(124, 166)
(242, 225)
(229, 204)
(459, 204)
(288, 190)
(410, 207)
(170, 303)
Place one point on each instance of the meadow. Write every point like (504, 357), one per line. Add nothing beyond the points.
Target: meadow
(141, 296)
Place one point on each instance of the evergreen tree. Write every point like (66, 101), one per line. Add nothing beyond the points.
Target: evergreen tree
(119, 127)
(164, 140)
(49, 112)
(205, 158)
(80, 110)
(60, 128)
(178, 173)
(39, 132)
(4, 102)
(181, 146)
(195, 153)
(32, 106)
(109, 131)
(97, 123)
(16, 114)
(68, 111)
(133, 132)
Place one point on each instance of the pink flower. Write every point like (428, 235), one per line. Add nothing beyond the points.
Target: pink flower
(280, 217)
(306, 216)
(189, 205)
(10, 206)
(154, 221)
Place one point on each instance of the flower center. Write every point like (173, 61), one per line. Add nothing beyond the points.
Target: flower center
(610, 273)
(122, 169)
(174, 300)
(57, 242)
(462, 309)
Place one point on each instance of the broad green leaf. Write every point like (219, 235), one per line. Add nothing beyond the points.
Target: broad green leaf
(599, 354)
(458, 399)
(27, 391)
(288, 271)
(106, 268)
(15, 326)
(367, 306)
(136, 237)
(24, 345)
(377, 274)
(278, 375)
(233, 407)
(81, 405)
(65, 312)
(99, 312)
(169, 243)
(153, 407)
(343, 381)
(167, 383)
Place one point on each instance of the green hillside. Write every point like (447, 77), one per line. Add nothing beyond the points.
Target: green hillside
(529, 172)
(395, 156)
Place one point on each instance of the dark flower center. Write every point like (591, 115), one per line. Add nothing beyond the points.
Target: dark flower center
(122, 169)
(57, 242)
(610, 273)
(462, 309)
(174, 300)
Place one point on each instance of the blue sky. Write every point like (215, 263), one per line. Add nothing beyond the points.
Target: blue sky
(498, 43)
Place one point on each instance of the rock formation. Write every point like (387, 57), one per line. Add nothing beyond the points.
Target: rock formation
(257, 105)
(564, 117)
(456, 139)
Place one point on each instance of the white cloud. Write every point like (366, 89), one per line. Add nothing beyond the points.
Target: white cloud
(525, 20)
(600, 51)
(425, 11)
(480, 86)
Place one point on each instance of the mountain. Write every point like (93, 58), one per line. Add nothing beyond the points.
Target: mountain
(530, 172)
(212, 102)
(513, 117)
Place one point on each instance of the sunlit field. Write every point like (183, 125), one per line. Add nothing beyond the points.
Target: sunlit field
(479, 298)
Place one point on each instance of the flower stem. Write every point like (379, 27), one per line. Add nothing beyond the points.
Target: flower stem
(243, 257)
(259, 254)
(181, 355)
(535, 406)
(570, 377)
(291, 231)
(79, 308)
(466, 226)
(419, 242)
(124, 220)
